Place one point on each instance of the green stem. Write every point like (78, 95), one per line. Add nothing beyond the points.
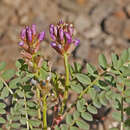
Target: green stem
(66, 70)
(122, 115)
(6, 85)
(44, 113)
(66, 82)
(38, 97)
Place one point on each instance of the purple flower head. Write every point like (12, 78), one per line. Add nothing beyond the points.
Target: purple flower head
(34, 29)
(62, 36)
(41, 36)
(31, 39)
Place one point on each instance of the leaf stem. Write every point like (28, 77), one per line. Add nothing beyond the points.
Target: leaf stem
(44, 113)
(6, 85)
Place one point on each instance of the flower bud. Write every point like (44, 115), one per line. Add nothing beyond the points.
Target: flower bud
(61, 33)
(29, 34)
(23, 34)
(41, 36)
(76, 42)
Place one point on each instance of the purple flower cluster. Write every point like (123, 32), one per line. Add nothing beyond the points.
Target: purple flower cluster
(62, 37)
(30, 40)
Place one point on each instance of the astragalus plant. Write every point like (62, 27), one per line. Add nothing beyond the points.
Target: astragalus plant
(28, 93)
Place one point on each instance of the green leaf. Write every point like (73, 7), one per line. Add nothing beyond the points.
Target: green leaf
(64, 127)
(127, 123)
(116, 116)
(13, 83)
(69, 119)
(114, 128)
(2, 105)
(91, 69)
(97, 103)
(8, 74)
(83, 125)
(102, 61)
(120, 63)
(92, 109)
(77, 88)
(5, 92)
(114, 60)
(80, 105)
(20, 93)
(128, 110)
(15, 125)
(124, 56)
(77, 67)
(31, 104)
(127, 99)
(84, 79)
(127, 82)
(103, 99)
(73, 128)
(35, 123)
(57, 128)
(92, 92)
(2, 111)
(23, 121)
(2, 65)
(1, 85)
(43, 74)
(76, 115)
(2, 120)
(87, 116)
(32, 112)
(127, 92)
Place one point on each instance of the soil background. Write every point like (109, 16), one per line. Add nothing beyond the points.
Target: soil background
(103, 26)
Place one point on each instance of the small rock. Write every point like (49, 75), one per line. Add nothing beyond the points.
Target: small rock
(114, 25)
(82, 22)
(126, 30)
(93, 32)
(128, 9)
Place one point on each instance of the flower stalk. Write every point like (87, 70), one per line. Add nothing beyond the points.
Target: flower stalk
(44, 113)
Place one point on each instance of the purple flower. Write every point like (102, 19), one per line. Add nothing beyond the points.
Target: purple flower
(68, 37)
(53, 37)
(23, 34)
(52, 30)
(61, 33)
(21, 43)
(53, 44)
(76, 42)
(30, 40)
(29, 34)
(41, 36)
